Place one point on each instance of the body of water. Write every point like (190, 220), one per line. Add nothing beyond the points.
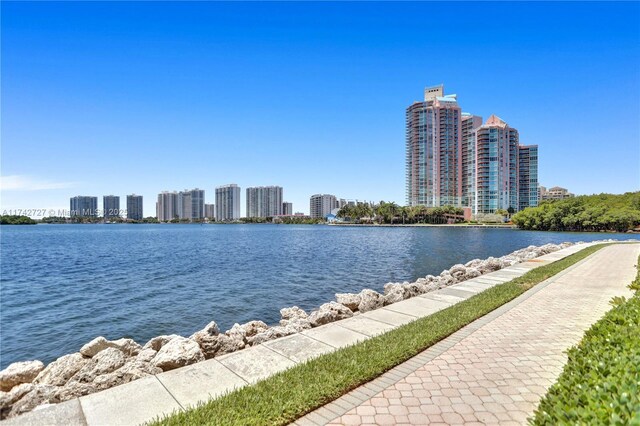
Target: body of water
(63, 285)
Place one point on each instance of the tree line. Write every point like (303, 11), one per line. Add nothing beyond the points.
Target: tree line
(602, 212)
(16, 220)
(392, 213)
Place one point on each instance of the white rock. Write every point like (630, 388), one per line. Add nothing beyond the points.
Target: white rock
(329, 312)
(40, 394)
(127, 346)
(349, 300)
(179, 352)
(158, 342)
(61, 370)
(93, 347)
(393, 292)
(370, 300)
(19, 372)
(293, 313)
(7, 399)
(105, 361)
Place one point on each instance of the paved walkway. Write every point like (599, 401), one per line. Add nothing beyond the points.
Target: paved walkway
(495, 370)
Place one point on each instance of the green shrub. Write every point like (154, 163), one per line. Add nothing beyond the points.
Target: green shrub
(601, 382)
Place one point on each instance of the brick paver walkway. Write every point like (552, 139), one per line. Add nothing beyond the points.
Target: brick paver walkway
(495, 370)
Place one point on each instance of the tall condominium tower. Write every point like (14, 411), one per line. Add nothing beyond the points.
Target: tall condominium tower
(264, 201)
(191, 204)
(167, 206)
(320, 205)
(210, 211)
(83, 206)
(134, 207)
(228, 202)
(434, 150)
(287, 208)
(496, 167)
(527, 176)
(197, 204)
(111, 206)
(470, 123)
(184, 204)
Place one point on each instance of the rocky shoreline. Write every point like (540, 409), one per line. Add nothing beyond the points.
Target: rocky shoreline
(102, 364)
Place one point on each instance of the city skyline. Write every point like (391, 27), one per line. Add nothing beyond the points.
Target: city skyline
(73, 93)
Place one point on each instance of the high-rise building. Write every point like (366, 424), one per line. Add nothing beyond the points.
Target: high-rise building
(110, 206)
(496, 167)
(167, 206)
(527, 176)
(264, 201)
(210, 211)
(320, 205)
(470, 123)
(184, 205)
(434, 150)
(134, 207)
(197, 204)
(83, 206)
(227, 202)
(287, 208)
(191, 204)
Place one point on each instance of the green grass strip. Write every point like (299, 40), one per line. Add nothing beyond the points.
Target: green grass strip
(290, 394)
(600, 384)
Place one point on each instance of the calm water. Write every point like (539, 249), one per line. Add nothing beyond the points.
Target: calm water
(62, 285)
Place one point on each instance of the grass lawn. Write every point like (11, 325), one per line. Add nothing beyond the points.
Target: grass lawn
(290, 394)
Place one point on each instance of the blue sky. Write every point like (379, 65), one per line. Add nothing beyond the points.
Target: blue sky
(116, 98)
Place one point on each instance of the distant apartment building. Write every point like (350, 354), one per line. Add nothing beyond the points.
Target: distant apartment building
(264, 201)
(167, 206)
(496, 167)
(83, 206)
(433, 142)
(555, 193)
(227, 202)
(287, 208)
(210, 211)
(320, 205)
(527, 176)
(134, 207)
(191, 204)
(110, 206)
(470, 124)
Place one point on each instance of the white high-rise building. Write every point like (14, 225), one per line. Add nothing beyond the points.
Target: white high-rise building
(264, 201)
(191, 204)
(167, 206)
(227, 202)
(210, 211)
(320, 205)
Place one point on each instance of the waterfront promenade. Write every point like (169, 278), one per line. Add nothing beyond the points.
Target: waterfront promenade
(495, 370)
(497, 366)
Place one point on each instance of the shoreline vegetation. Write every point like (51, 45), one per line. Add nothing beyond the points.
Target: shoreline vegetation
(587, 213)
(597, 385)
(289, 395)
(16, 220)
(101, 364)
